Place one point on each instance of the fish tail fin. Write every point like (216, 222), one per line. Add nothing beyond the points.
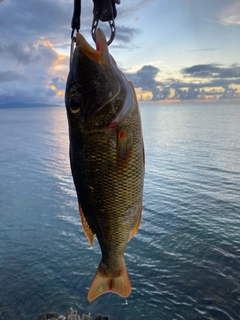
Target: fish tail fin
(107, 281)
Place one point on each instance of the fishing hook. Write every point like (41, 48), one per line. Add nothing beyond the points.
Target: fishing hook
(105, 11)
(72, 48)
(112, 28)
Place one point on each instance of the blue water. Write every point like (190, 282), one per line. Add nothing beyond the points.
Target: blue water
(184, 263)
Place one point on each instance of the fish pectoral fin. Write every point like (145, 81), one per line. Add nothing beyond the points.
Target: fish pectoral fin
(105, 281)
(135, 229)
(87, 230)
(124, 143)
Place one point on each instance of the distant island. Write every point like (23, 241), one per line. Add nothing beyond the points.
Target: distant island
(26, 105)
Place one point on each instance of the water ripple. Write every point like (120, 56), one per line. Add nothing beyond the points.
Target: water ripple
(184, 263)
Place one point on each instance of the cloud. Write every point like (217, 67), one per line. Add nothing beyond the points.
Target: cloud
(35, 54)
(202, 82)
(30, 33)
(56, 87)
(212, 71)
(205, 49)
(59, 83)
(10, 75)
(128, 10)
(230, 15)
(125, 34)
(18, 93)
(35, 44)
(35, 40)
(145, 78)
(230, 94)
(209, 81)
(34, 17)
(29, 69)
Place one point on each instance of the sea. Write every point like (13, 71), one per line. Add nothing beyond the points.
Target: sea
(184, 262)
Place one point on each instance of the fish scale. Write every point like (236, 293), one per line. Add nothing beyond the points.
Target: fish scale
(107, 159)
(112, 187)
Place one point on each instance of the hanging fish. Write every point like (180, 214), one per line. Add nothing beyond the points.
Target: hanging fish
(107, 158)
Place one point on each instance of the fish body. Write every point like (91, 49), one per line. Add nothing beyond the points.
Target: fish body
(107, 158)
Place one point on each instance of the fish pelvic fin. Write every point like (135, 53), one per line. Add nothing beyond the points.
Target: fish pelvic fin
(135, 229)
(87, 230)
(107, 281)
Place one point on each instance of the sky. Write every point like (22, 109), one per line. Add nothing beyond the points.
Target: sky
(172, 50)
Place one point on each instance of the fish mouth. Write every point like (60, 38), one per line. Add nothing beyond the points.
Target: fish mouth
(100, 54)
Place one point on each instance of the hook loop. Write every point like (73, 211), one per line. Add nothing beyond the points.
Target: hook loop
(72, 48)
(112, 29)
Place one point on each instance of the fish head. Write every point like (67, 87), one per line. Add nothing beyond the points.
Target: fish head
(96, 89)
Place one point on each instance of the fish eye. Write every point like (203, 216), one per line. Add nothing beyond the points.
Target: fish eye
(75, 104)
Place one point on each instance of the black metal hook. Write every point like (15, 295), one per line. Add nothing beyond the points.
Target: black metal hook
(105, 11)
(72, 48)
(112, 28)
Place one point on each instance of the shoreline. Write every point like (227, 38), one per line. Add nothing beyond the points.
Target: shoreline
(70, 315)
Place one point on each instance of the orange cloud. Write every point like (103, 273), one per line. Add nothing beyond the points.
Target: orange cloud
(143, 95)
(47, 43)
(61, 63)
(61, 93)
(52, 87)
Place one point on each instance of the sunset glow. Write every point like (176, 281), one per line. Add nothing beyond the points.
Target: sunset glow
(170, 50)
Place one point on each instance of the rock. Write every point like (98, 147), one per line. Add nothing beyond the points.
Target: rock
(72, 315)
(42, 316)
(86, 317)
(52, 315)
(48, 316)
(70, 312)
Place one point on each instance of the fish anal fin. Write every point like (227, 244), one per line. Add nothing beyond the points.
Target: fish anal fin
(135, 229)
(124, 143)
(107, 281)
(87, 230)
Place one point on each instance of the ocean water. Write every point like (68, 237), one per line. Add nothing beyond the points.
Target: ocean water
(184, 263)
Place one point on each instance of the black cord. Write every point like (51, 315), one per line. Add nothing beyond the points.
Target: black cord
(76, 17)
(104, 10)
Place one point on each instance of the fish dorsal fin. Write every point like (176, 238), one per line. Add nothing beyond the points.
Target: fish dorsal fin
(87, 230)
(135, 229)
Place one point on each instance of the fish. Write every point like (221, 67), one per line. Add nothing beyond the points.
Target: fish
(106, 158)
